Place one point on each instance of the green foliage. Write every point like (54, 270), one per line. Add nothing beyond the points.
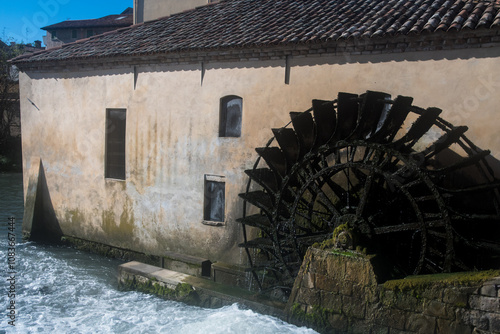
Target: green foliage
(10, 145)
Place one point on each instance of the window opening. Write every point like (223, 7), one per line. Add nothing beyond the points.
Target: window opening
(230, 116)
(214, 198)
(115, 143)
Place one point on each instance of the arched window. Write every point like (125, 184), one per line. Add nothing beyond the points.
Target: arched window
(230, 116)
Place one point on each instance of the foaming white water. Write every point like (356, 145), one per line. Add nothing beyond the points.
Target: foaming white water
(60, 290)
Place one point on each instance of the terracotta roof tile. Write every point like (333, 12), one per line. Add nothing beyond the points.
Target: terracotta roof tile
(250, 23)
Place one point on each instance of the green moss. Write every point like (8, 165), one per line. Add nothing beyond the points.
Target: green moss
(75, 217)
(339, 229)
(346, 253)
(127, 220)
(183, 289)
(183, 292)
(108, 221)
(109, 251)
(122, 230)
(317, 318)
(418, 283)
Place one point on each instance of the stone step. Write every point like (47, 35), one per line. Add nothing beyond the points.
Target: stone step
(192, 290)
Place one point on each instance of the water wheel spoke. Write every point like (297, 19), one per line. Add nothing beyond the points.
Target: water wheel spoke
(320, 217)
(351, 153)
(367, 156)
(364, 193)
(385, 162)
(432, 215)
(425, 198)
(438, 234)
(397, 228)
(475, 216)
(411, 226)
(323, 199)
(316, 188)
(326, 180)
(472, 189)
(309, 239)
(338, 156)
(413, 183)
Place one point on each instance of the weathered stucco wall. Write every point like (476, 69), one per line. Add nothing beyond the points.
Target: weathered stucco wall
(147, 10)
(172, 134)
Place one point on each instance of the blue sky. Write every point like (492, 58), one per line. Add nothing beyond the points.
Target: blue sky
(21, 20)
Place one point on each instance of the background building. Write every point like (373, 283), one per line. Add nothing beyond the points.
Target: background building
(73, 30)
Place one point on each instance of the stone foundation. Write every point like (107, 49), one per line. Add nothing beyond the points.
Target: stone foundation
(338, 292)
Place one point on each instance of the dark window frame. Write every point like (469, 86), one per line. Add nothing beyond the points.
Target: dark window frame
(230, 118)
(214, 199)
(74, 33)
(90, 33)
(115, 144)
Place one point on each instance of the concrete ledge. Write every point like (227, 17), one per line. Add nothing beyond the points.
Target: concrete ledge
(192, 290)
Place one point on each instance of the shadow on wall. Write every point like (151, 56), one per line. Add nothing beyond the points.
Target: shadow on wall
(40, 222)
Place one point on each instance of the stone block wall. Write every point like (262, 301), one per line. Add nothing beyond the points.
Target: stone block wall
(338, 292)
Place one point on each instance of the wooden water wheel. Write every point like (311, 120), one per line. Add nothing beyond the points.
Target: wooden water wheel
(414, 189)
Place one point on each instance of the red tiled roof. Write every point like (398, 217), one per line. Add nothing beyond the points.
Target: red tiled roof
(250, 23)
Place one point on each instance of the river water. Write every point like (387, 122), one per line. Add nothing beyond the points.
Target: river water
(58, 289)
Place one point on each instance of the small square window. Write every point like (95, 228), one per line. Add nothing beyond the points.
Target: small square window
(90, 33)
(214, 198)
(73, 33)
(54, 34)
